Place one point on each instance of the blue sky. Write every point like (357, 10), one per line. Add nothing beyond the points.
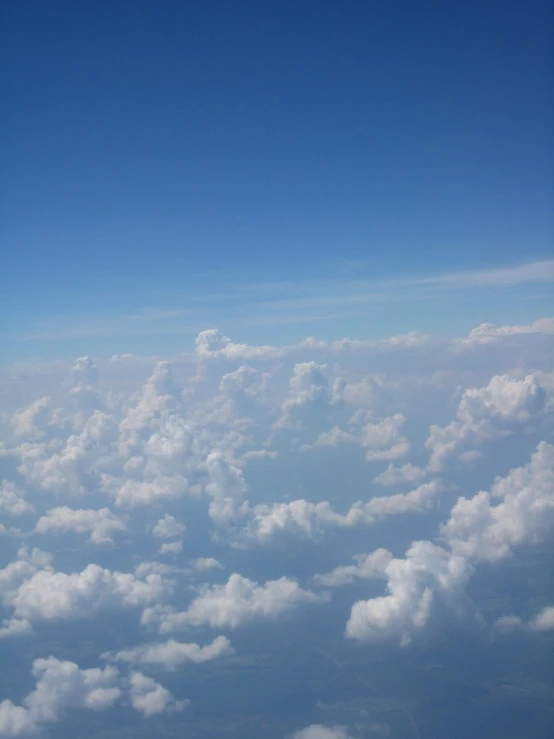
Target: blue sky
(165, 162)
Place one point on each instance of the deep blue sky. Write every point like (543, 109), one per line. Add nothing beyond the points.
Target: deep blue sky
(152, 151)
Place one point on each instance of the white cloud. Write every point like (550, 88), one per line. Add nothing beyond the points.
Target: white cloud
(321, 731)
(367, 566)
(84, 371)
(543, 621)
(172, 654)
(310, 398)
(15, 627)
(26, 564)
(133, 493)
(488, 333)
(168, 527)
(77, 465)
(226, 487)
(171, 547)
(335, 437)
(383, 440)
(429, 576)
(479, 529)
(15, 720)
(32, 420)
(487, 413)
(300, 517)
(154, 439)
(12, 503)
(203, 564)
(399, 475)
(61, 686)
(212, 343)
(46, 595)
(237, 602)
(150, 698)
(101, 524)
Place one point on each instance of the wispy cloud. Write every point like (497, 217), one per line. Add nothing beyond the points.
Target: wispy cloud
(282, 302)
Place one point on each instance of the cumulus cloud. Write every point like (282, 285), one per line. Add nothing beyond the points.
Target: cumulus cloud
(172, 654)
(383, 440)
(101, 524)
(310, 397)
(168, 527)
(15, 627)
(212, 343)
(32, 421)
(21, 569)
(150, 698)
(12, 502)
(398, 475)
(203, 564)
(235, 603)
(488, 333)
(171, 547)
(480, 528)
(498, 409)
(77, 465)
(367, 566)
(226, 487)
(543, 621)
(84, 371)
(61, 686)
(46, 595)
(219, 441)
(300, 517)
(429, 577)
(321, 731)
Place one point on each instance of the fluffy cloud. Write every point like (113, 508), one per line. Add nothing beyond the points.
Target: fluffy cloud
(77, 466)
(488, 333)
(237, 602)
(172, 654)
(32, 420)
(47, 595)
(11, 501)
(300, 517)
(84, 371)
(486, 413)
(61, 686)
(212, 343)
(427, 578)
(480, 529)
(310, 398)
(367, 566)
(226, 440)
(15, 627)
(399, 475)
(383, 440)
(168, 527)
(26, 564)
(543, 621)
(203, 564)
(321, 731)
(101, 524)
(226, 487)
(150, 698)
(171, 547)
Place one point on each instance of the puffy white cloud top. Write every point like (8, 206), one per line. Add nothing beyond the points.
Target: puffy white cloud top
(189, 500)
